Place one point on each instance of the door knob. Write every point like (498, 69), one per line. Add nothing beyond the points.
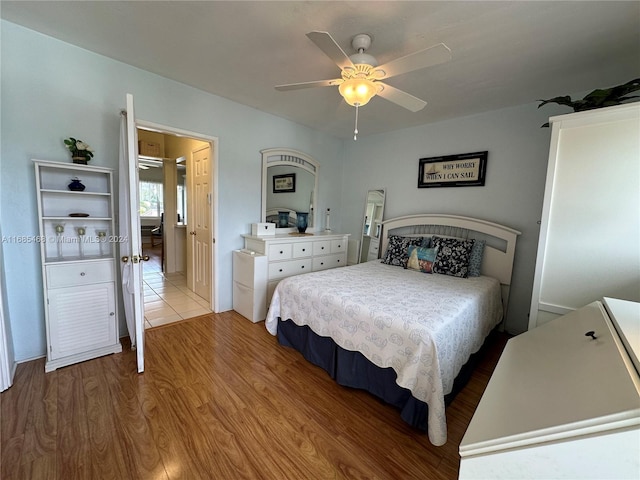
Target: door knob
(125, 259)
(192, 233)
(145, 258)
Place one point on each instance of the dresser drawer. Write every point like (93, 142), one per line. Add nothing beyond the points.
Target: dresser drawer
(338, 246)
(79, 274)
(249, 270)
(280, 251)
(250, 303)
(322, 247)
(329, 261)
(286, 269)
(304, 249)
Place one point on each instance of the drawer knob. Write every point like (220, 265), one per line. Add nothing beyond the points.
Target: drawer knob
(591, 334)
(111, 314)
(322, 248)
(321, 263)
(82, 274)
(303, 267)
(304, 249)
(281, 252)
(280, 269)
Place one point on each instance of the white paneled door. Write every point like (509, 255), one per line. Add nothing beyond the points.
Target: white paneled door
(131, 246)
(202, 234)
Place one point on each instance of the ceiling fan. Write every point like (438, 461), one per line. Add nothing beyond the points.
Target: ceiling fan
(361, 74)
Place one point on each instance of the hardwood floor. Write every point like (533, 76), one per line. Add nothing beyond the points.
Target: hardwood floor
(220, 399)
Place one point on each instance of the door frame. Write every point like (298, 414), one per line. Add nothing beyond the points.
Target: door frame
(7, 361)
(214, 301)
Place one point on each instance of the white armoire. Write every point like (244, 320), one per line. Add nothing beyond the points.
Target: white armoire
(589, 245)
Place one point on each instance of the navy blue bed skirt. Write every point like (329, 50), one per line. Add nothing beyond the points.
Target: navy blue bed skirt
(352, 369)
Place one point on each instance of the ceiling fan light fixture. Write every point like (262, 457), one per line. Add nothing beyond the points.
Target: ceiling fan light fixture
(357, 91)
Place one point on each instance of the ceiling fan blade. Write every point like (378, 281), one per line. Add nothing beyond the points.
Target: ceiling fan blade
(415, 61)
(318, 83)
(400, 98)
(331, 49)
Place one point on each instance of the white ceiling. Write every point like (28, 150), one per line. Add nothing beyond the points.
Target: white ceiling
(504, 53)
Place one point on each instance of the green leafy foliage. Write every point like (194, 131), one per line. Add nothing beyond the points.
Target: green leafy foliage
(599, 98)
(78, 148)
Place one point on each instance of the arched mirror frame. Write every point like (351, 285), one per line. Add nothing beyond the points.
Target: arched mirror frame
(288, 157)
(371, 227)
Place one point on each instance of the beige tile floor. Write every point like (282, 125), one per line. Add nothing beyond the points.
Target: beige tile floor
(166, 296)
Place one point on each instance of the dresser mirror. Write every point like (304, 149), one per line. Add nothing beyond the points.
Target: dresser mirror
(289, 185)
(372, 225)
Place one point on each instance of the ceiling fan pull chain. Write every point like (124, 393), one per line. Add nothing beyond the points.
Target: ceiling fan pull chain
(355, 131)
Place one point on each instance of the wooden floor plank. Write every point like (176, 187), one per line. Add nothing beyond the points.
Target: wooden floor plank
(41, 428)
(73, 456)
(220, 398)
(107, 456)
(141, 455)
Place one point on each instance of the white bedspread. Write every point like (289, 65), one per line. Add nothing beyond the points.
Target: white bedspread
(424, 326)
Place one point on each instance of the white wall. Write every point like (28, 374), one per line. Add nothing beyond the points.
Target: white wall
(517, 161)
(51, 90)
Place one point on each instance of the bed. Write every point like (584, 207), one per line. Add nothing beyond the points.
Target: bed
(405, 335)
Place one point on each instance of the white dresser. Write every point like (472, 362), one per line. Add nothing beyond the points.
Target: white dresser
(289, 255)
(250, 284)
(561, 404)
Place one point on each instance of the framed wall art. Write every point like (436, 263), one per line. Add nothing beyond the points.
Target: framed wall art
(284, 183)
(464, 170)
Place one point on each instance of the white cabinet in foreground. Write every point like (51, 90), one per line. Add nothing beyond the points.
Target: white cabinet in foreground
(563, 401)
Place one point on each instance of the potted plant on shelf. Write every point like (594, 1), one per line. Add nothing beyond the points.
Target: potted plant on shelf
(80, 152)
(599, 98)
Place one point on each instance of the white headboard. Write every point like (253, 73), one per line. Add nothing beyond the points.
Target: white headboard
(497, 260)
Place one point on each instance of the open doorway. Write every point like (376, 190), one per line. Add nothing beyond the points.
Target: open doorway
(176, 202)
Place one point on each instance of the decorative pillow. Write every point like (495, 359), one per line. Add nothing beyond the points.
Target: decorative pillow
(396, 253)
(421, 258)
(475, 258)
(452, 257)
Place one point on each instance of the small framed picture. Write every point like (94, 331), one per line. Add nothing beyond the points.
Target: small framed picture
(464, 170)
(284, 183)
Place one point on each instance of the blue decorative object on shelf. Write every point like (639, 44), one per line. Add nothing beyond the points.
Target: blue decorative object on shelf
(76, 185)
(302, 221)
(283, 219)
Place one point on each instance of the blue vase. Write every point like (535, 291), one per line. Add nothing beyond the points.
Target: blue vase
(302, 221)
(283, 219)
(76, 185)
